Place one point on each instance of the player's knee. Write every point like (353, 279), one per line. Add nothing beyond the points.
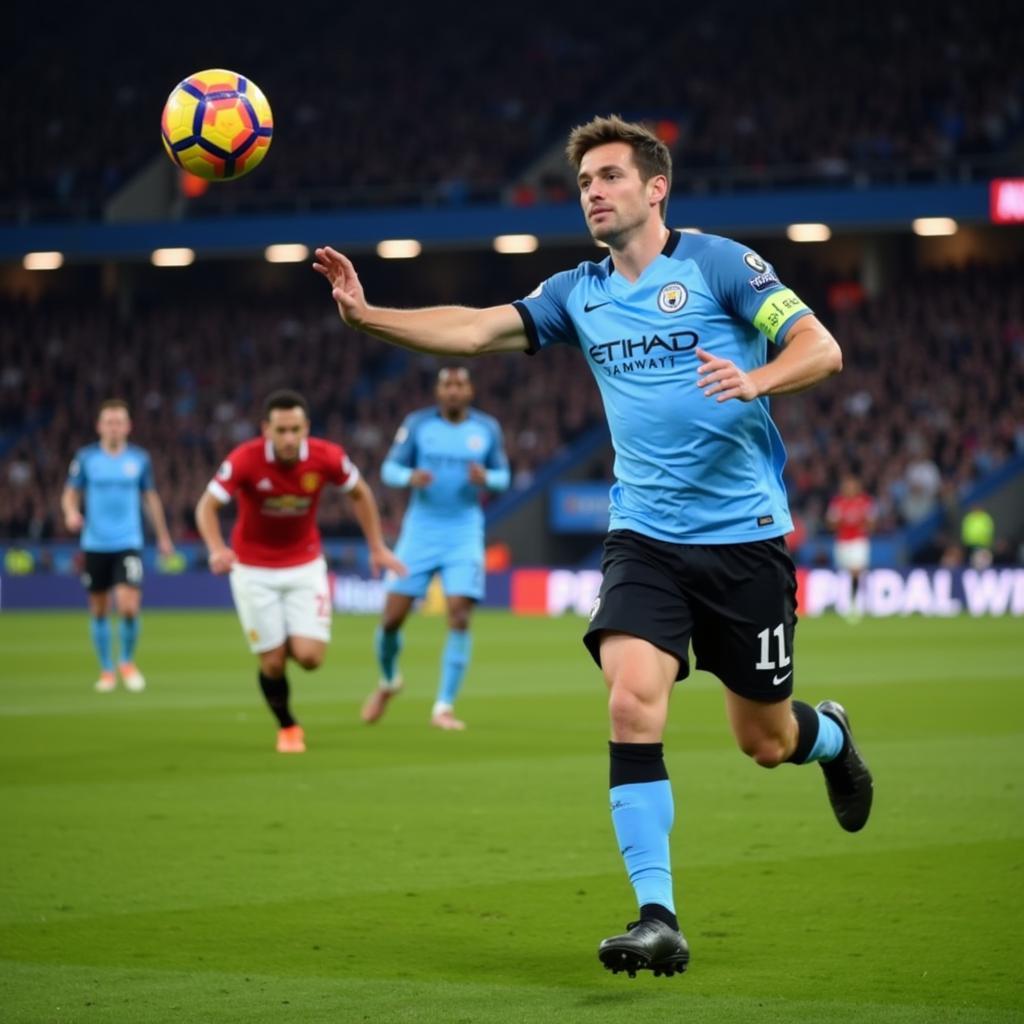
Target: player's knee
(458, 621)
(627, 707)
(309, 660)
(273, 663)
(391, 622)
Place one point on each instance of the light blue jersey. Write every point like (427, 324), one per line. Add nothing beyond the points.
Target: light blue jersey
(443, 526)
(688, 469)
(112, 486)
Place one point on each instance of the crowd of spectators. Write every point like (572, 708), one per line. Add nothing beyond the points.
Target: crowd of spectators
(931, 398)
(368, 111)
(195, 379)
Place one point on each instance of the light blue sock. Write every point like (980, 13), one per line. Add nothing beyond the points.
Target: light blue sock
(388, 645)
(642, 813)
(454, 662)
(829, 742)
(129, 636)
(99, 630)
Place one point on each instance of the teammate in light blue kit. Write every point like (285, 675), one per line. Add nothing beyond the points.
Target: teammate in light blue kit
(676, 330)
(113, 476)
(448, 455)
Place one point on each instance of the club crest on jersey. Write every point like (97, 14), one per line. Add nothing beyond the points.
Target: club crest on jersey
(475, 443)
(756, 264)
(309, 482)
(131, 470)
(672, 297)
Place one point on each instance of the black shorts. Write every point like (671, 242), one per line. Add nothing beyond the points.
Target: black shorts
(105, 570)
(737, 602)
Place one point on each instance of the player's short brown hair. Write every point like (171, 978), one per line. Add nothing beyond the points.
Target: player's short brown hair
(284, 398)
(113, 403)
(650, 154)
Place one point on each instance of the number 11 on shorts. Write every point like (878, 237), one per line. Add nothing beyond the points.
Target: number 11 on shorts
(765, 636)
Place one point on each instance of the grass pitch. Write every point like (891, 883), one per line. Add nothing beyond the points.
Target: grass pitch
(160, 862)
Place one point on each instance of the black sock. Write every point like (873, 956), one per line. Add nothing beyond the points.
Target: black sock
(275, 691)
(636, 762)
(656, 910)
(807, 723)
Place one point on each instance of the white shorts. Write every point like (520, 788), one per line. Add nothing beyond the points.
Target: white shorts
(853, 555)
(274, 604)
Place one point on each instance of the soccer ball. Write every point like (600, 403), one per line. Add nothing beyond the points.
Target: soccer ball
(217, 125)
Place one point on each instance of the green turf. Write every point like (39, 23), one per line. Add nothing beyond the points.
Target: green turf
(159, 862)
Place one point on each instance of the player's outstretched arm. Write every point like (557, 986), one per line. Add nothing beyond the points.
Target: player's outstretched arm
(364, 506)
(445, 330)
(221, 557)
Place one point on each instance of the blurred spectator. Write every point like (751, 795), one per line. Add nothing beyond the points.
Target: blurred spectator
(978, 534)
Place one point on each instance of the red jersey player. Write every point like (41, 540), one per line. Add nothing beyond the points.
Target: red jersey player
(851, 514)
(278, 574)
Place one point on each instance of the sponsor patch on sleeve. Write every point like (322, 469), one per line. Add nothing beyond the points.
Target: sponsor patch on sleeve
(776, 310)
(764, 281)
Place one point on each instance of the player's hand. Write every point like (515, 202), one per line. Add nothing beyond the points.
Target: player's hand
(165, 547)
(383, 559)
(74, 521)
(477, 474)
(421, 478)
(346, 290)
(221, 561)
(724, 379)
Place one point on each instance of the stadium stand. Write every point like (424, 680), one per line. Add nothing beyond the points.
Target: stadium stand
(931, 399)
(904, 92)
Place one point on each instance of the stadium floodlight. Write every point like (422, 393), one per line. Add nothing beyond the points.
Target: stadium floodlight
(42, 260)
(516, 243)
(172, 257)
(286, 252)
(808, 232)
(399, 249)
(928, 226)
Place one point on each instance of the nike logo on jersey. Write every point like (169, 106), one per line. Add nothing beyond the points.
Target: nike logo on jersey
(588, 308)
(779, 680)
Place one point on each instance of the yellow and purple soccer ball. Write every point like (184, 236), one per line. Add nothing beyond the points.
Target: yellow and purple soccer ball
(217, 125)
